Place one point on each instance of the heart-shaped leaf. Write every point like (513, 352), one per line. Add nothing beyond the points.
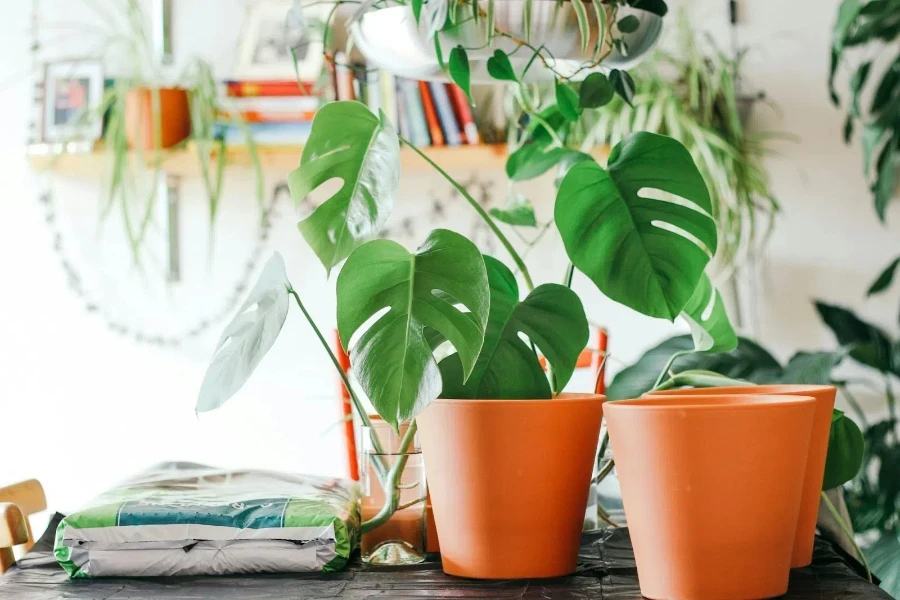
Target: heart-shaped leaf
(641, 230)
(403, 294)
(846, 447)
(248, 337)
(551, 316)
(710, 327)
(459, 69)
(567, 100)
(629, 24)
(499, 67)
(657, 7)
(596, 91)
(518, 212)
(623, 84)
(350, 143)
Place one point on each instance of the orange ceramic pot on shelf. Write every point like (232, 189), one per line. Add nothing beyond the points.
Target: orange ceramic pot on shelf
(818, 450)
(174, 115)
(711, 487)
(509, 482)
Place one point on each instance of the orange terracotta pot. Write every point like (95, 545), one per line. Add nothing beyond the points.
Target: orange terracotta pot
(509, 482)
(818, 450)
(175, 119)
(711, 487)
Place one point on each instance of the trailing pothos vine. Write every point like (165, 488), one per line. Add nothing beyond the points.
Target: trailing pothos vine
(448, 321)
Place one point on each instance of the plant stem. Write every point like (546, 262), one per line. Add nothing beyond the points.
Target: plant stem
(606, 470)
(363, 416)
(391, 491)
(847, 532)
(570, 272)
(668, 366)
(481, 212)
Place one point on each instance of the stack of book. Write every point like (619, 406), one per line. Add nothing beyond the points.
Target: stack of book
(427, 113)
(277, 112)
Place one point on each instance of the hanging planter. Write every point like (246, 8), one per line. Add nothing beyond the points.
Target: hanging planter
(162, 112)
(543, 39)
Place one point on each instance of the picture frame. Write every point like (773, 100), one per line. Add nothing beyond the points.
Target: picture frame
(73, 89)
(271, 28)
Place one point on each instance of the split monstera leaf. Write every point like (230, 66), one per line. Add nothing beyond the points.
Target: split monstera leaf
(639, 229)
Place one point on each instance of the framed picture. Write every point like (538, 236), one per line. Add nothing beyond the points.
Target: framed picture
(271, 29)
(73, 92)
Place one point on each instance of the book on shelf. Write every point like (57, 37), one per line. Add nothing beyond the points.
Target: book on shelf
(415, 112)
(277, 87)
(434, 126)
(265, 134)
(446, 117)
(463, 111)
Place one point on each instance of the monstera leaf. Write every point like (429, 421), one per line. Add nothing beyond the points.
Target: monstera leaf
(641, 230)
(710, 327)
(443, 287)
(248, 337)
(350, 143)
(553, 319)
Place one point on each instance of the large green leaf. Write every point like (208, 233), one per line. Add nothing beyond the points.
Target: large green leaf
(748, 361)
(623, 229)
(811, 367)
(551, 316)
(248, 337)
(846, 447)
(867, 343)
(398, 295)
(534, 159)
(710, 327)
(349, 143)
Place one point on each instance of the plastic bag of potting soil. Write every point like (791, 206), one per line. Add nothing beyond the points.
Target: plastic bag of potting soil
(186, 519)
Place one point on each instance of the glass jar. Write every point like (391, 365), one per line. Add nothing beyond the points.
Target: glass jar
(604, 508)
(401, 538)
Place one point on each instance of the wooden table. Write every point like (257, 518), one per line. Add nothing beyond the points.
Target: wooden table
(606, 570)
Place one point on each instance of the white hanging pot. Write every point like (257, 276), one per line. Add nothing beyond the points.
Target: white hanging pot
(391, 39)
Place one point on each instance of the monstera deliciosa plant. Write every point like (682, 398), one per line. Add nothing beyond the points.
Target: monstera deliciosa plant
(446, 321)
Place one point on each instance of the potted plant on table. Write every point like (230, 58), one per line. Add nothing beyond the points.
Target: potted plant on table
(446, 333)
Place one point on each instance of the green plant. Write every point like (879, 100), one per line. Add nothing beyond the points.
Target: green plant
(872, 26)
(448, 321)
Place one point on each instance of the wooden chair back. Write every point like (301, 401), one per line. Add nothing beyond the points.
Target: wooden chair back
(17, 503)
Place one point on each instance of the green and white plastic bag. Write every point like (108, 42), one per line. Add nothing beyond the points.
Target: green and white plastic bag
(186, 519)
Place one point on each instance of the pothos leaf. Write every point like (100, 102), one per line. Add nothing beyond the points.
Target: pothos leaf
(567, 99)
(552, 318)
(705, 313)
(402, 294)
(629, 24)
(657, 7)
(248, 337)
(499, 67)
(623, 84)
(518, 212)
(350, 143)
(459, 69)
(846, 448)
(596, 91)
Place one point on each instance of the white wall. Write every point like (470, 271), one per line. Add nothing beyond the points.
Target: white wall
(86, 407)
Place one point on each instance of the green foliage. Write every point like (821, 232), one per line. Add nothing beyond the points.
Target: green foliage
(567, 101)
(584, 25)
(518, 212)
(885, 278)
(811, 367)
(610, 222)
(459, 69)
(628, 24)
(866, 343)
(534, 159)
(657, 7)
(248, 337)
(623, 85)
(392, 360)
(845, 451)
(875, 25)
(595, 91)
(551, 317)
(706, 316)
(350, 143)
(500, 68)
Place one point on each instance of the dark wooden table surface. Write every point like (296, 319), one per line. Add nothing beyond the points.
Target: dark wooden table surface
(606, 570)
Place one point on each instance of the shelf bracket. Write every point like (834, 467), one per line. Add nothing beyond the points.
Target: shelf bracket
(168, 195)
(161, 17)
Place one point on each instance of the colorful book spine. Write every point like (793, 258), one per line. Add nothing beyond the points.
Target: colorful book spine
(464, 114)
(445, 113)
(434, 126)
(285, 87)
(418, 124)
(256, 116)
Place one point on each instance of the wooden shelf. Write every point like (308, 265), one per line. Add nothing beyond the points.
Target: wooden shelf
(93, 163)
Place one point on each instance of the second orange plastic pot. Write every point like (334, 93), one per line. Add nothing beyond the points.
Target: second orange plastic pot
(815, 464)
(711, 487)
(509, 482)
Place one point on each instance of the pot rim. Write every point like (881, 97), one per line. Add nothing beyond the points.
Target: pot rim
(708, 403)
(563, 398)
(773, 389)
